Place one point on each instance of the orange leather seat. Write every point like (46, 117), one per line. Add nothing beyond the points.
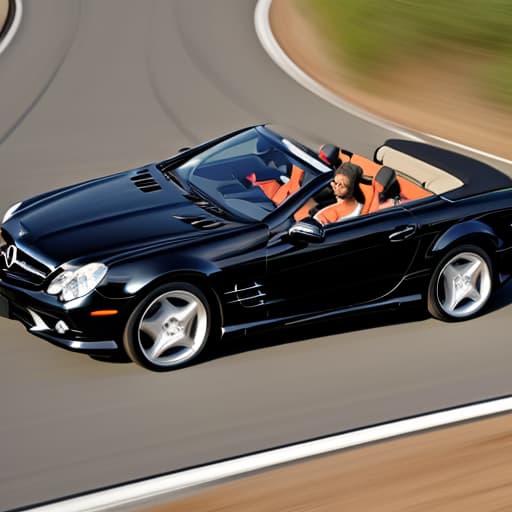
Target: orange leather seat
(408, 190)
(369, 169)
(411, 190)
(335, 212)
(278, 192)
(289, 188)
(404, 190)
(269, 187)
(344, 157)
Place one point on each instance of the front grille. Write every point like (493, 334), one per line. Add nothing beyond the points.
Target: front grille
(18, 265)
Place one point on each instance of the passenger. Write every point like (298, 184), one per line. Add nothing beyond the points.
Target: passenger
(349, 197)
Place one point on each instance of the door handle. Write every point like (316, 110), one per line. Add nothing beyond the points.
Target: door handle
(402, 234)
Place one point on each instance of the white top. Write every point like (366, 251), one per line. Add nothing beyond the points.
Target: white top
(355, 212)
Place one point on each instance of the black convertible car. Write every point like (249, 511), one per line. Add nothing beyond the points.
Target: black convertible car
(158, 261)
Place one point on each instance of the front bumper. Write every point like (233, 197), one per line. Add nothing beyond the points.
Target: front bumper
(70, 325)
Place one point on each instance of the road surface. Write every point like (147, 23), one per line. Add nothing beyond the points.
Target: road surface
(90, 88)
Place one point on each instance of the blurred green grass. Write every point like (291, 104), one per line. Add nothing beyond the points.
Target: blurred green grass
(373, 36)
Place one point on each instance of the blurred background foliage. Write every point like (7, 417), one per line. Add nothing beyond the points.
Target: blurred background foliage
(374, 36)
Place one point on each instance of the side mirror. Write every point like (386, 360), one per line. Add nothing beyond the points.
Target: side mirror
(309, 232)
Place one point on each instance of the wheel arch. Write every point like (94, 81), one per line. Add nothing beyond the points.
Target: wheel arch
(473, 232)
(196, 278)
(189, 287)
(468, 248)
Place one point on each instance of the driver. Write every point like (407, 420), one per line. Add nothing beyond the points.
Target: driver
(349, 197)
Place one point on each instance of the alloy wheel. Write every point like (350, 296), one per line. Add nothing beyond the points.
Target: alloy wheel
(173, 328)
(464, 285)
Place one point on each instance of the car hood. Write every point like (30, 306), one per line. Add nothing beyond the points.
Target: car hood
(109, 215)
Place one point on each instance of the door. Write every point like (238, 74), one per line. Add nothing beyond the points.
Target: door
(360, 260)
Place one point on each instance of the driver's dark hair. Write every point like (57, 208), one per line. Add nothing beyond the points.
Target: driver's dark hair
(353, 172)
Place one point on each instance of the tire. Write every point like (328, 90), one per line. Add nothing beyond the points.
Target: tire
(169, 328)
(461, 284)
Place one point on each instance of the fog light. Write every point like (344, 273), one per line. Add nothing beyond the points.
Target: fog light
(61, 327)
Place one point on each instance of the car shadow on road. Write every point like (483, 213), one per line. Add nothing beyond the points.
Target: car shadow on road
(273, 337)
(501, 299)
(284, 335)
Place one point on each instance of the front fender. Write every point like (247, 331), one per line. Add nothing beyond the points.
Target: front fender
(127, 279)
(465, 232)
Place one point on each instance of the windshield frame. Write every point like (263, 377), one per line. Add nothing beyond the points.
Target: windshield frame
(298, 149)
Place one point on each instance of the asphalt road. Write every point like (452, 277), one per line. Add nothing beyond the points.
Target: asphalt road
(89, 88)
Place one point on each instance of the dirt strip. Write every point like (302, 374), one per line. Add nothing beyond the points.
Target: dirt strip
(436, 96)
(465, 468)
(4, 9)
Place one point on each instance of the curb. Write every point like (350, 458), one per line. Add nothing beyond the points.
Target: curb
(277, 54)
(12, 23)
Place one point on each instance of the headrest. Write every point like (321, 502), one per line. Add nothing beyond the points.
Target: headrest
(330, 154)
(387, 183)
(353, 171)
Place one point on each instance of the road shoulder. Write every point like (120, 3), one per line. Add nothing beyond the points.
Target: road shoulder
(465, 467)
(432, 98)
(4, 11)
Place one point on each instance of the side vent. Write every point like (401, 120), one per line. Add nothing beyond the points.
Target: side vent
(200, 222)
(145, 182)
(205, 205)
(249, 296)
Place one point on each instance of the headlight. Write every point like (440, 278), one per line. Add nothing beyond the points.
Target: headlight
(73, 284)
(10, 212)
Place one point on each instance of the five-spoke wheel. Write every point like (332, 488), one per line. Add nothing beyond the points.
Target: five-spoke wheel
(461, 284)
(168, 328)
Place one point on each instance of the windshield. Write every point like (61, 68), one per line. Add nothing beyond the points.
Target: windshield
(248, 175)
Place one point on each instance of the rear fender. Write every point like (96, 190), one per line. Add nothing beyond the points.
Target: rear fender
(472, 231)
